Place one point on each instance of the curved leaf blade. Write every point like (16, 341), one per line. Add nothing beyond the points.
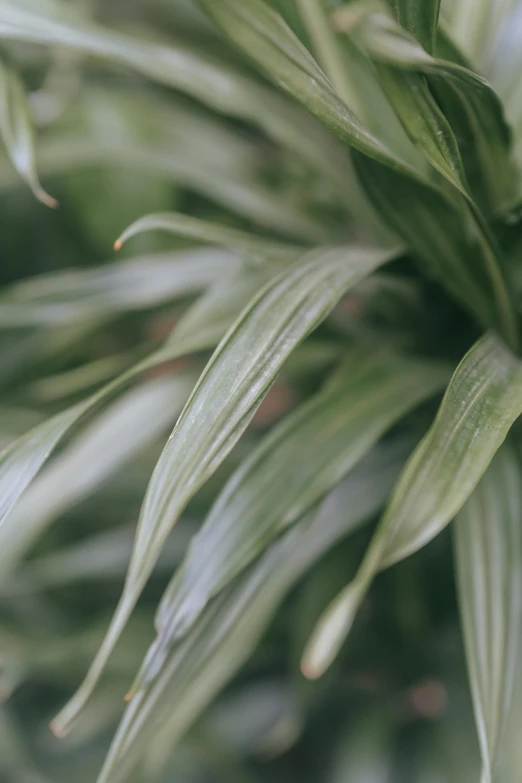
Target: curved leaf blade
(17, 133)
(204, 231)
(420, 18)
(471, 106)
(222, 404)
(293, 467)
(61, 298)
(120, 432)
(230, 627)
(200, 328)
(207, 79)
(481, 403)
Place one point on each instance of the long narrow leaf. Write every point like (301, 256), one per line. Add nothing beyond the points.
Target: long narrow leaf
(16, 131)
(205, 231)
(262, 33)
(125, 428)
(471, 106)
(481, 403)
(224, 401)
(61, 298)
(200, 328)
(488, 548)
(52, 22)
(229, 629)
(289, 472)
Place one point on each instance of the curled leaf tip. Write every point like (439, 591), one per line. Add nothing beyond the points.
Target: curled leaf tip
(58, 729)
(131, 693)
(45, 198)
(309, 671)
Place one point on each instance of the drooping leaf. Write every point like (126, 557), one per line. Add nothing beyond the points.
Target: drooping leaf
(213, 233)
(230, 627)
(222, 404)
(125, 428)
(170, 142)
(16, 131)
(61, 298)
(488, 548)
(224, 89)
(200, 328)
(293, 467)
(481, 403)
(21, 460)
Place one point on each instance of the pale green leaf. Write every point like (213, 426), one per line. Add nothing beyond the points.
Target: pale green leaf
(214, 233)
(103, 556)
(221, 406)
(199, 329)
(172, 142)
(60, 298)
(56, 23)
(293, 467)
(488, 549)
(230, 627)
(123, 430)
(483, 400)
(16, 131)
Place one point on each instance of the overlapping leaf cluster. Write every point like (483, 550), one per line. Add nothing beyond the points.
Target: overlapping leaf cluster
(324, 313)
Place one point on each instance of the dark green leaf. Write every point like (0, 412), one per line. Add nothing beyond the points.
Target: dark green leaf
(481, 403)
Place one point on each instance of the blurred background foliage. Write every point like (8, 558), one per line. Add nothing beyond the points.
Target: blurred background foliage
(113, 145)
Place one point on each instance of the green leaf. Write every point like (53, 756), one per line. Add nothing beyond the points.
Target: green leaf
(221, 406)
(260, 31)
(488, 549)
(294, 466)
(22, 459)
(475, 115)
(200, 328)
(420, 18)
(165, 141)
(101, 556)
(417, 214)
(471, 107)
(266, 38)
(230, 627)
(481, 403)
(120, 432)
(205, 231)
(16, 130)
(56, 23)
(61, 298)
